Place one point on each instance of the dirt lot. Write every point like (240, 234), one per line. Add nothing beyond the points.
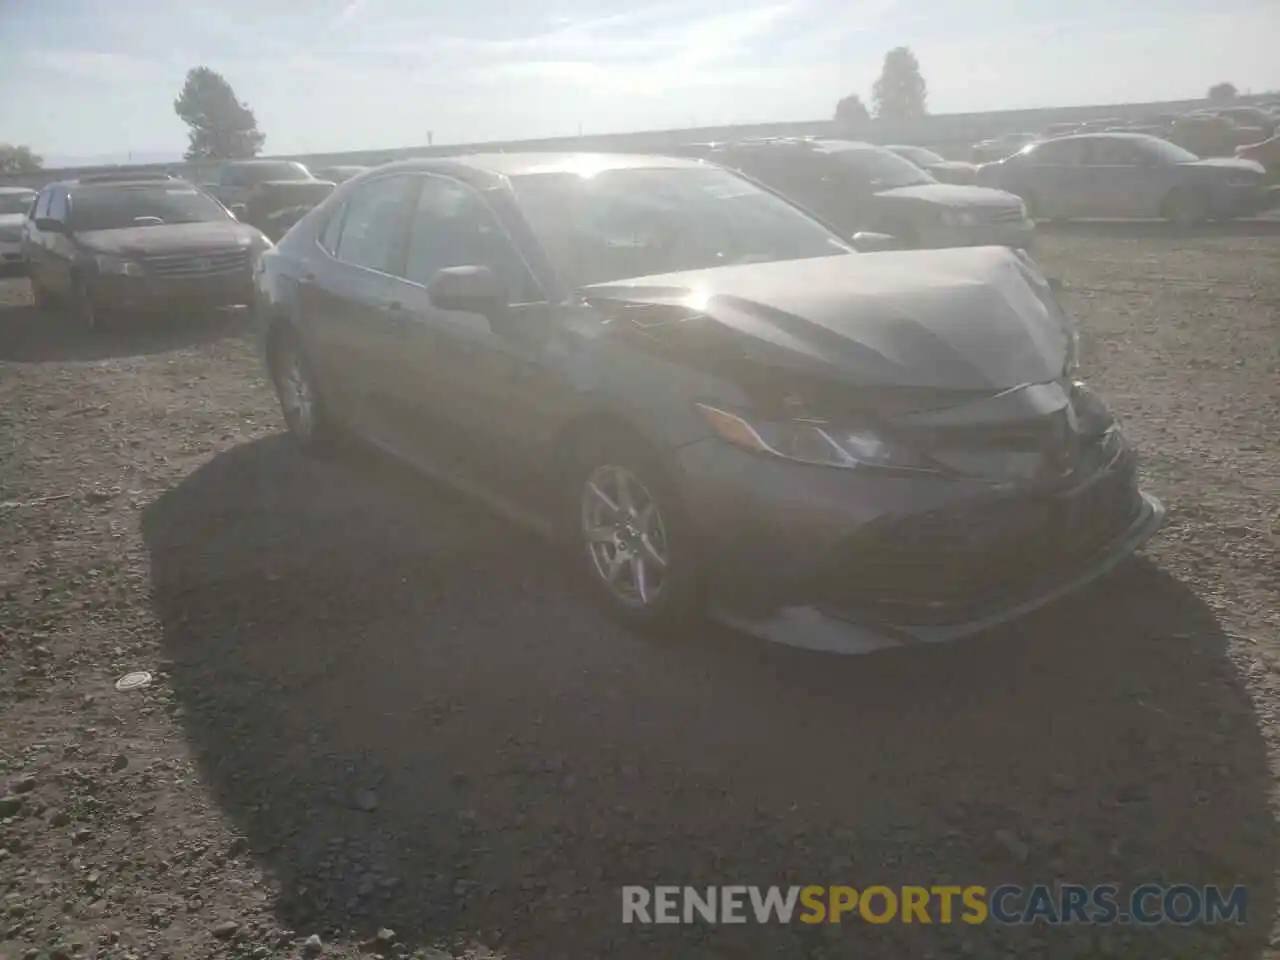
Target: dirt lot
(375, 706)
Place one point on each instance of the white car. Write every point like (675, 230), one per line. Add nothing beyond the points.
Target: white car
(15, 202)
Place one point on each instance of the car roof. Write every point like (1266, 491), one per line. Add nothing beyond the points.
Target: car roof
(259, 162)
(517, 164)
(91, 184)
(11, 190)
(1104, 135)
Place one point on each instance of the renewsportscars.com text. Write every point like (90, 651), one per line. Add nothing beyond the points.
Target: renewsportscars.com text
(1182, 904)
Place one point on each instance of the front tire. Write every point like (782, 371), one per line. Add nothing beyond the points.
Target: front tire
(87, 315)
(1186, 207)
(305, 414)
(632, 536)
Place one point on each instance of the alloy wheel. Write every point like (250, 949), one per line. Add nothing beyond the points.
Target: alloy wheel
(625, 538)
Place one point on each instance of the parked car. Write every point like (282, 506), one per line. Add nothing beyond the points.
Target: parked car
(1128, 175)
(857, 186)
(255, 189)
(997, 147)
(15, 203)
(1264, 120)
(707, 393)
(1266, 152)
(106, 244)
(341, 174)
(937, 166)
(1209, 135)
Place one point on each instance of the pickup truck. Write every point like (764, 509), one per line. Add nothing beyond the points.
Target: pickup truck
(255, 190)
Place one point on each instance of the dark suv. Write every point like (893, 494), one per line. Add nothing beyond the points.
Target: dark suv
(104, 244)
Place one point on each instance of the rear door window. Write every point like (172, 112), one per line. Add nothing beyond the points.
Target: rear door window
(42, 204)
(1056, 153)
(58, 206)
(1108, 152)
(375, 225)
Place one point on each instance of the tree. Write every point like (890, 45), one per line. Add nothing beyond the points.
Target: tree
(222, 128)
(1222, 93)
(900, 92)
(851, 112)
(18, 159)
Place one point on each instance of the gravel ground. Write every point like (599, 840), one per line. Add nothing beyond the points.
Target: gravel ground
(377, 708)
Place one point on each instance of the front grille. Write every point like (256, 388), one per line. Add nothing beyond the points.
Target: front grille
(200, 264)
(953, 564)
(1006, 215)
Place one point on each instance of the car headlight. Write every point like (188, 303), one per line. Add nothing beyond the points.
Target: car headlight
(812, 441)
(1071, 368)
(1092, 414)
(957, 218)
(118, 266)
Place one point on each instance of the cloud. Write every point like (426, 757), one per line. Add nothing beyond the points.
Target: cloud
(95, 65)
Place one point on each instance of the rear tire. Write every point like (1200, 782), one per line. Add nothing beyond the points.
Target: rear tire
(631, 535)
(305, 414)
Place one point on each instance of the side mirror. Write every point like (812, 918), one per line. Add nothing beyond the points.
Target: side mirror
(238, 210)
(867, 242)
(470, 289)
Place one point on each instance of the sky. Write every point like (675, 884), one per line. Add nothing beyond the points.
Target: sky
(87, 78)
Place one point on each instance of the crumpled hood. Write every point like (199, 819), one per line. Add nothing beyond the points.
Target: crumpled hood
(964, 319)
(953, 195)
(168, 238)
(1239, 164)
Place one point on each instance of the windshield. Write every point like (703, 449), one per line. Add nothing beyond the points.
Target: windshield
(1168, 152)
(619, 224)
(882, 169)
(263, 172)
(15, 202)
(117, 207)
(919, 155)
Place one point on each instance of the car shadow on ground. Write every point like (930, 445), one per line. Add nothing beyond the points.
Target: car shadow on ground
(416, 723)
(1161, 229)
(31, 336)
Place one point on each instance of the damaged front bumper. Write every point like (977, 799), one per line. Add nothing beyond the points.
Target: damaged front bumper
(828, 560)
(815, 628)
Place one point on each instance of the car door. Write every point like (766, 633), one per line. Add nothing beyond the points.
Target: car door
(59, 245)
(347, 287)
(1116, 179)
(483, 396)
(37, 255)
(1051, 179)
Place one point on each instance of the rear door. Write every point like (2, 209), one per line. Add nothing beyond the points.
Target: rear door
(345, 292)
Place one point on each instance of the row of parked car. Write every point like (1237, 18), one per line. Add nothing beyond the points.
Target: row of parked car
(116, 242)
(1246, 131)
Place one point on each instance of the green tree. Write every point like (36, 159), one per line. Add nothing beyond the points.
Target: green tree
(1223, 93)
(851, 112)
(900, 92)
(222, 128)
(18, 159)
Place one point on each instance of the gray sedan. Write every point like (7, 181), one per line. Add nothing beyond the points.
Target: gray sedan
(708, 395)
(1128, 176)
